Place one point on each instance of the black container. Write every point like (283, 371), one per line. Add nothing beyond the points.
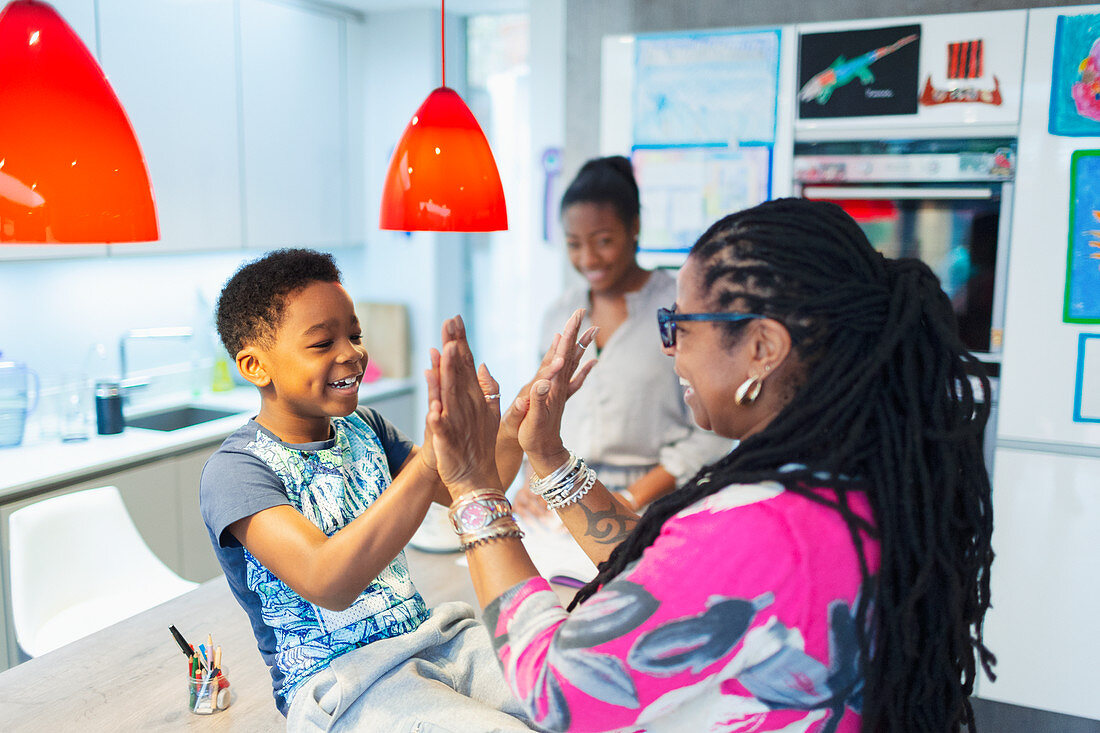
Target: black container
(108, 408)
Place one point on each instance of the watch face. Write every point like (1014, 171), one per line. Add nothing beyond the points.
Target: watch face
(473, 516)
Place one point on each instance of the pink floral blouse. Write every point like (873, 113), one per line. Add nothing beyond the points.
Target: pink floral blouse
(738, 618)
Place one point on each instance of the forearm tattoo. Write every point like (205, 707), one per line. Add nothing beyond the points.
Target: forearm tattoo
(609, 526)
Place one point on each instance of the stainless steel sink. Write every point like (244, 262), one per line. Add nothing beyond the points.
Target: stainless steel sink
(177, 417)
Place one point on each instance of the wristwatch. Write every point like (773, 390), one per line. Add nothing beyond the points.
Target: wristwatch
(478, 511)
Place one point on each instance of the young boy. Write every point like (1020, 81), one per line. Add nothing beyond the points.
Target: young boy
(309, 506)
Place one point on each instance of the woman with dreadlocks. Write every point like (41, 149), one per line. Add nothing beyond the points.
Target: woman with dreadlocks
(831, 573)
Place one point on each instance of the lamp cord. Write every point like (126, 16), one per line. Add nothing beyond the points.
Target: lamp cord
(443, 38)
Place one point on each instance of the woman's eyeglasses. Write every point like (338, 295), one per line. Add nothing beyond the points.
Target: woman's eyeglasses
(667, 318)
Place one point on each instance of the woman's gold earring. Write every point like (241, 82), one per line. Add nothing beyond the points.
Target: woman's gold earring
(749, 390)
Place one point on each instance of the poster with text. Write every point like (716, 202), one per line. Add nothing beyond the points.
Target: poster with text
(705, 88)
(1082, 299)
(685, 190)
(859, 73)
(1075, 78)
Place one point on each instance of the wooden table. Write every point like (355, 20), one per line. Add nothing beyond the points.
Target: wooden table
(132, 676)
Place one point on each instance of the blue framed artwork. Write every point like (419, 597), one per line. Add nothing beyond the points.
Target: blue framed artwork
(685, 190)
(706, 88)
(1075, 78)
(1082, 298)
(1086, 393)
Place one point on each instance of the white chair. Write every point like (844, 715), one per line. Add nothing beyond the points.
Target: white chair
(79, 565)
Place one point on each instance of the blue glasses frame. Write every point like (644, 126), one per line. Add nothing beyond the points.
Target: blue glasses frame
(667, 318)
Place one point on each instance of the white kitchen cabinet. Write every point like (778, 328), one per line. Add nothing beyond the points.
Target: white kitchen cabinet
(197, 559)
(293, 97)
(1046, 510)
(150, 495)
(173, 64)
(151, 498)
(162, 498)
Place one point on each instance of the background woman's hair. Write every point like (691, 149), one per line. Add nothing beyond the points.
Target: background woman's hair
(606, 181)
(886, 398)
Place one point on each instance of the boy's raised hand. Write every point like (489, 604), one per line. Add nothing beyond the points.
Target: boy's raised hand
(427, 448)
(489, 386)
(463, 422)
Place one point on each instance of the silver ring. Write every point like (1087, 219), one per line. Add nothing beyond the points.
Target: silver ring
(491, 397)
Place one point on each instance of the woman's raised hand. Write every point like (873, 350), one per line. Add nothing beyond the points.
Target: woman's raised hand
(539, 432)
(551, 364)
(462, 421)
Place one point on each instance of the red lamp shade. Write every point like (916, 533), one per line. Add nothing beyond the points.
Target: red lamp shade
(442, 176)
(70, 166)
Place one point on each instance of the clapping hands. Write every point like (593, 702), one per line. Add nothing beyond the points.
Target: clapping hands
(464, 407)
(463, 414)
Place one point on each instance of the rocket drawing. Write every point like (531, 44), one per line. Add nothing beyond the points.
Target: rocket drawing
(842, 71)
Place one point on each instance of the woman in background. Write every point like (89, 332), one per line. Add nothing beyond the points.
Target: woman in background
(629, 421)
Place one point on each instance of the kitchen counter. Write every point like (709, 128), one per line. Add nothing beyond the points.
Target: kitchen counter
(156, 472)
(131, 676)
(29, 469)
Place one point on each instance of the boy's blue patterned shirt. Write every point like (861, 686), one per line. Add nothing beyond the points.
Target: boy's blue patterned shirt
(330, 483)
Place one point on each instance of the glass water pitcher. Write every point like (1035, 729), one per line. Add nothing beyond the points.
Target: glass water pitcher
(18, 397)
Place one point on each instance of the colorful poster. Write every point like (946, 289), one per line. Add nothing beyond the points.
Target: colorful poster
(1082, 301)
(705, 88)
(1075, 79)
(859, 73)
(1086, 394)
(685, 190)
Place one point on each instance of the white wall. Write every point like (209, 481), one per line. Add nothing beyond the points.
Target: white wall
(52, 312)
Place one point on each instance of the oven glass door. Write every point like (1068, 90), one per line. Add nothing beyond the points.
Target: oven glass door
(953, 230)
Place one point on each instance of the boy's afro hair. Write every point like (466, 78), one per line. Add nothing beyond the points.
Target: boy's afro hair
(252, 302)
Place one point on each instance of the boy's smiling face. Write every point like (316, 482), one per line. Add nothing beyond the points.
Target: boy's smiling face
(313, 369)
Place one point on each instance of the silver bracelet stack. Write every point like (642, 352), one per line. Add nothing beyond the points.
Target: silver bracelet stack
(481, 516)
(566, 485)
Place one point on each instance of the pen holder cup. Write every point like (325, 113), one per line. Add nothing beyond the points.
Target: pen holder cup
(207, 694)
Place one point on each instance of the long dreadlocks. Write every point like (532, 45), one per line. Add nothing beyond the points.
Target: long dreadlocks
(885, 405)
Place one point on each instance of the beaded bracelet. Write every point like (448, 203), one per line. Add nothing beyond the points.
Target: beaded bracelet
(497, 531)
(564, 499)
(566, 485)
(551, 492)
(541, 485)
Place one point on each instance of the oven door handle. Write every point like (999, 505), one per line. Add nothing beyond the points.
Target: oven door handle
(895, 193)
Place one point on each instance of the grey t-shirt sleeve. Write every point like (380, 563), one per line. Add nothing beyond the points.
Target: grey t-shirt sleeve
(234, 485)
(396, 444)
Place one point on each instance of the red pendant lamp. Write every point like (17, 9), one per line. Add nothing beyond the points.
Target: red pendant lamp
(71, 170)
(442, 176)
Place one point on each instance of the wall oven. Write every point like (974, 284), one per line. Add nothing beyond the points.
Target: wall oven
(946, 202)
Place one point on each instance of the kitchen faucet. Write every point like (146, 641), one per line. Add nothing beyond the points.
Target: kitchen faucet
(165, 332)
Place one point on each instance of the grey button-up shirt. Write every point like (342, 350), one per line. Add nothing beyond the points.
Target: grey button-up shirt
(630, 413)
